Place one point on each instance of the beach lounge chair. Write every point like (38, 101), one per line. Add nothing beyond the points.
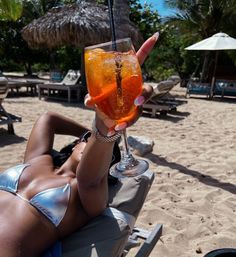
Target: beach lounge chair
(17, 82)
(198, 88)
(158, 102)
(69, 83)
(5, 117)
(225, 87)
(113, 233)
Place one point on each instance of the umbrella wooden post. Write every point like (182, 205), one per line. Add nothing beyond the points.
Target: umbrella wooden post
(205, 67)
(213, 77)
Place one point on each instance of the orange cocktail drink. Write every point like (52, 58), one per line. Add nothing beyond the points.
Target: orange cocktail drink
(114, 80)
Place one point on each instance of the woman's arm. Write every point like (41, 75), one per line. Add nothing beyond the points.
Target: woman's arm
(92, 173)
(94, 165)
(42, 135)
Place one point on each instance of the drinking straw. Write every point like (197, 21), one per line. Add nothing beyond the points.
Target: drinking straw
(112, 26)
(117, 61)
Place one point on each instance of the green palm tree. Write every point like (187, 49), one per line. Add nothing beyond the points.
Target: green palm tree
(200, 19)
(206, 17)
(11, 9)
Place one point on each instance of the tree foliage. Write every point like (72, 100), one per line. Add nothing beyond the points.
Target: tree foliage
(204, 17)
(199, 19)
(146, 19)
(10, 10)
(193, 21)
(14, 51)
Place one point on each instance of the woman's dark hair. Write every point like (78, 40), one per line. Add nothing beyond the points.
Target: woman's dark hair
(59, 157)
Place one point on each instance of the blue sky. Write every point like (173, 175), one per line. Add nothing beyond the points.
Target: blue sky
(159, 6)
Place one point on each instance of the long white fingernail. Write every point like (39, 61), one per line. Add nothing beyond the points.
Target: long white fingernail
(120, 126)
(156, 35)
(86, 101)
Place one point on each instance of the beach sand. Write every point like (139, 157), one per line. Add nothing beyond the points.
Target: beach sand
(193, 194)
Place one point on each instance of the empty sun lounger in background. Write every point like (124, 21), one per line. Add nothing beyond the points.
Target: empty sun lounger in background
(159, 90)
(69, 83)
(161, 101)
(225, 87)
(5, 117)
(113, 233)
(198, 88)
(16, 83)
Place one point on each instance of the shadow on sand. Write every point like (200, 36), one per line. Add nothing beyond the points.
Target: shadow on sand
(205, 179)
(174, 116)
(8, 139)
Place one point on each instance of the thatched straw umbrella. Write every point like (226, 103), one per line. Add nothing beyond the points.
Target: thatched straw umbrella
(81, 24)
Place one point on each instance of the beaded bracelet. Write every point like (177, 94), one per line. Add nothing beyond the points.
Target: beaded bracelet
(102, 138)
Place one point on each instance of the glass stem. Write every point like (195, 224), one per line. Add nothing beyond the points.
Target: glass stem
(128, 165)
(128, 158)
(125, 144)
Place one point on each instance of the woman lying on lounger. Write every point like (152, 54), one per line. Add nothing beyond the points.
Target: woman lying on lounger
(40, 203)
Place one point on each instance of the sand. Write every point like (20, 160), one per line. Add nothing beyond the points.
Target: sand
(193, 194)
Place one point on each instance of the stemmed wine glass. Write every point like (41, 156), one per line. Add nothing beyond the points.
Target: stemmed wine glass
(114, 80)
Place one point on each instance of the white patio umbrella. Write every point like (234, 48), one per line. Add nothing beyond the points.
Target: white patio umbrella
(219, 41)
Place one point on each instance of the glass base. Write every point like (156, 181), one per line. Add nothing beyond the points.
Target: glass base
(129, 169)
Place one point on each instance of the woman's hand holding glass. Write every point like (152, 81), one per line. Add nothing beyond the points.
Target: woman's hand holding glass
(117, 95)
(104, 123)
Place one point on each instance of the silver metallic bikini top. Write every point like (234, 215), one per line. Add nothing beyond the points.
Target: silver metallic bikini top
(51, 202)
